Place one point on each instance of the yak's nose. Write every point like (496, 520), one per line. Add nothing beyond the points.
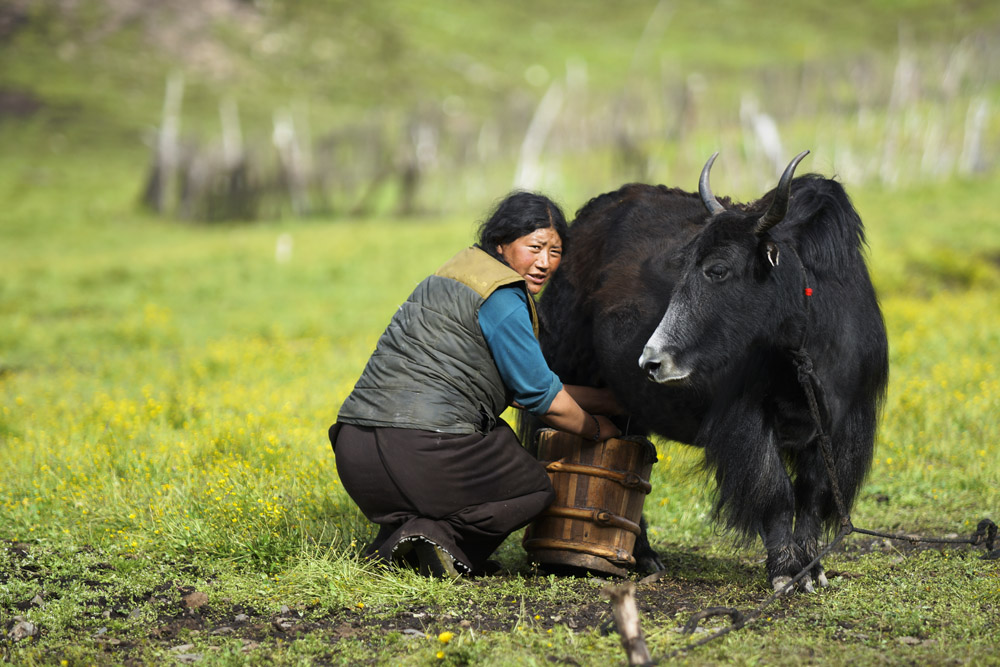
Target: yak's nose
(648, 362)
(661, 366)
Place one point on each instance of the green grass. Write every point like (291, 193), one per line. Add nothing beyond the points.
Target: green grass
(165, 388)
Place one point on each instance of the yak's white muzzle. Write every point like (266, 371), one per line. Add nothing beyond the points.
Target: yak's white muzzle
(660, 366)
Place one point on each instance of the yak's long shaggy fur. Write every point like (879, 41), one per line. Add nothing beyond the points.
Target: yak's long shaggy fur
(640, 248)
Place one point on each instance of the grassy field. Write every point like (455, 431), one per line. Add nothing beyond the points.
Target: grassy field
(167, 492)
(166, 390)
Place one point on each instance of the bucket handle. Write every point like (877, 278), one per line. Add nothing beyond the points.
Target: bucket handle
(629, 480)
(615, 556)
(594, 515)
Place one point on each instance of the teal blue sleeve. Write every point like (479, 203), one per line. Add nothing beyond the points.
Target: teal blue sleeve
(506, 324)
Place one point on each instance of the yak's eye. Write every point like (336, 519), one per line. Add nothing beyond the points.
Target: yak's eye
(716, 272)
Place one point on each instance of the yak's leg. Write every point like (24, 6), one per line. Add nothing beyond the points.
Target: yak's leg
(784, 557)
(755, 492)
(816, 504)
(646, 560)
(812, 492)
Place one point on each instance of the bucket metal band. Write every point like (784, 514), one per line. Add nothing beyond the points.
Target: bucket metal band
(619, 556)
(629, 480)
(594, 515)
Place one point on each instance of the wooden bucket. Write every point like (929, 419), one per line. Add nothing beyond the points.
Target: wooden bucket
(600, 490)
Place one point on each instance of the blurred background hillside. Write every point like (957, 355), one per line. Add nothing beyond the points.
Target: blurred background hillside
(264, 109)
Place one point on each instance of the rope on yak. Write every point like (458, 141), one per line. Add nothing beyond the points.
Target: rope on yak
(986, 530)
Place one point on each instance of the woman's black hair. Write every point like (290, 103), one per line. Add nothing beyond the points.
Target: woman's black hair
(517, 215)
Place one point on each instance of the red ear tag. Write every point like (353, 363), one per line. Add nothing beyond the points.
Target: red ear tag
(809, 291)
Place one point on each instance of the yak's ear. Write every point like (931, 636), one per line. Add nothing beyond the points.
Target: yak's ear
(771, 252)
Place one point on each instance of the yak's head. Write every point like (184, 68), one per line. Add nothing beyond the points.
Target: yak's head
(731, 295)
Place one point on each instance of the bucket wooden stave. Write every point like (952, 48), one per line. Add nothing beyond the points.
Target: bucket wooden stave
(600, 490)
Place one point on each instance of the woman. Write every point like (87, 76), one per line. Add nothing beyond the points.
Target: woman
(419, 443)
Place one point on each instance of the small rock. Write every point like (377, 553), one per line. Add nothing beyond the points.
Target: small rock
(909, 641)
(412, 632)
(37, 601)
(183, 648)
(188, 657)
(23, 629)
(224, 630)
(285, 609)
(241, 618)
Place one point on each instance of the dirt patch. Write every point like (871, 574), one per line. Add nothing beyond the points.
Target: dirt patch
(180, 627)
(12, 18)
(18, 104)
(186, 622)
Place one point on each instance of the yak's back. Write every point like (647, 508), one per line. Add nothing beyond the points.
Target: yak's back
(620, 229)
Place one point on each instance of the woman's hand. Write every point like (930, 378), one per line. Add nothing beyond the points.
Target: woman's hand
(607, 431)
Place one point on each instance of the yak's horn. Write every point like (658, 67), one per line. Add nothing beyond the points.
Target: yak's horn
(707, 198)
(775, 213)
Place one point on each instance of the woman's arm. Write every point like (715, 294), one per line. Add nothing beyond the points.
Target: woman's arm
(566, 414)
(507, 328)
(592, 399)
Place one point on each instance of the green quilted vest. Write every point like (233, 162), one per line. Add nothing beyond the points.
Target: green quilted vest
(432, 368)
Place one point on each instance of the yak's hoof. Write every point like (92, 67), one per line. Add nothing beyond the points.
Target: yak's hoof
(781, 585)
(649, 562)
(806, 584)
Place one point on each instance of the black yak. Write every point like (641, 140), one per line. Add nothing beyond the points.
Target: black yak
(692, 310)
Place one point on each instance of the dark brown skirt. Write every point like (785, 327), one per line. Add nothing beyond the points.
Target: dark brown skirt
(465, 493)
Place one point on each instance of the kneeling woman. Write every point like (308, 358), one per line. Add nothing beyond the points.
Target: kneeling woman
(419, 442)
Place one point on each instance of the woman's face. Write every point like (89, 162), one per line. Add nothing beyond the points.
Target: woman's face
(535, 256)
